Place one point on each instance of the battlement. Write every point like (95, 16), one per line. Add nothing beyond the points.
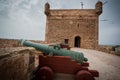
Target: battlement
(96, 11)
(70, 12)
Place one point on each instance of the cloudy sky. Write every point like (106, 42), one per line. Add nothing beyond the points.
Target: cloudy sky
(25, 19)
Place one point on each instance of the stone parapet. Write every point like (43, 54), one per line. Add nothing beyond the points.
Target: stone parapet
(17, 63)
(109, 49)
(72, 12)
(13, 42)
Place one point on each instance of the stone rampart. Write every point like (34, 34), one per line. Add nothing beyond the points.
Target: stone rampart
(13, 43)
(109, 49)
(17, 63)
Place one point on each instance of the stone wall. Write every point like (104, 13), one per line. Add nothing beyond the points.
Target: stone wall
(16, 63)
(110, 49)
(13, 43)
(8, 43)
(68, 24)
(103, 48)
(62, 29)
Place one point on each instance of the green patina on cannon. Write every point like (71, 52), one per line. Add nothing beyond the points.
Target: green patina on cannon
(55, 50)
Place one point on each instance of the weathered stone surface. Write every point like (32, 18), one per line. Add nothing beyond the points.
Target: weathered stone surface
(109, 49)
(13, 43)
(16, 63)
(68, 24)
(8, 43)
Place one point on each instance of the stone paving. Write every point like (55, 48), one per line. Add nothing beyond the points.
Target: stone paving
(108, 65)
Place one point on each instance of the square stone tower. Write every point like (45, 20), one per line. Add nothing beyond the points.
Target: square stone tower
(76, 27)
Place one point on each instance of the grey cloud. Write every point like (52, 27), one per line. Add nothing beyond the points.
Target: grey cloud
(26, 18)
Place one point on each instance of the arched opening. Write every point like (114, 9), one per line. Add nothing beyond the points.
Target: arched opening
(77, 41)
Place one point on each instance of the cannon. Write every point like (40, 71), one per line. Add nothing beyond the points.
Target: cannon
(60, 60)
(55, 50)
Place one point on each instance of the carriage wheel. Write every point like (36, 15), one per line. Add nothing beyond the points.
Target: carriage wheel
(44, 73)
(84, 75)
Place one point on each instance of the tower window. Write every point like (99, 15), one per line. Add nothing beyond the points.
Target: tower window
(66, 41)
(78, 25)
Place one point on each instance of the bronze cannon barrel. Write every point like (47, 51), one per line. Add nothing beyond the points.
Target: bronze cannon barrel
(55, 50)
